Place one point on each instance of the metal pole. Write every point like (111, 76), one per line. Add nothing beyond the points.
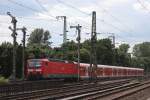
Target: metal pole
(93, 56)
(14, 22)
(113, 39)
(78, 39)
(23, 51)
(65, 39)
(78, 28)
(64, 33)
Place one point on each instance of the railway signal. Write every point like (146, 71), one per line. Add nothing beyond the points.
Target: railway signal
(23, 50)
(14, 34)
(78, 28)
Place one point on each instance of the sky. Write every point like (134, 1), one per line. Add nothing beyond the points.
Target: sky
(127, 19)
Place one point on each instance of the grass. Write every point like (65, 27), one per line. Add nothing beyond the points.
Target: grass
(3, 80)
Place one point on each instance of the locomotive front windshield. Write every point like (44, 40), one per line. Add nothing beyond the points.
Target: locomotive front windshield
(34, 63)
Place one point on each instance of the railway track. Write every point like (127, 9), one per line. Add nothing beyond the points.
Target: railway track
(27, 86)
(107, 94)
(66, 91)
(130, 93)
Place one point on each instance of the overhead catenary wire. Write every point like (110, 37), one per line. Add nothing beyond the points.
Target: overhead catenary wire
(43, 8)
(20, 37)
(39, 3)
(114, 17)
(31, 9)
(60, 1)
(70, 6)
(26, 17)
(24, 6)
(70, 23)
(34, 10)
(143, 5)
(64, 3)
(32, 18)
(27, 7)
(120, 30)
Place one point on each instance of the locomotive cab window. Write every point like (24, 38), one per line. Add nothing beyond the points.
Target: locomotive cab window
(34, 63)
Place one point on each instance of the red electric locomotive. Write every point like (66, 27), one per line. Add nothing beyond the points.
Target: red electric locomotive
(49, 68)
(59, 69)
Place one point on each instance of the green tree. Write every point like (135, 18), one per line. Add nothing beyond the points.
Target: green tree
(123, 48)
(86, 44)
(141, 53)
(19, 61)
(69, 50)
(123, 58)
(38, 44)
(6, 59)
(105, 52)
(39, 36)
(84, 55)
(142, 50)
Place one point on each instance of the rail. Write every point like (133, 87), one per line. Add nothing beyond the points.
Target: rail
(21, 87)
(57, 93)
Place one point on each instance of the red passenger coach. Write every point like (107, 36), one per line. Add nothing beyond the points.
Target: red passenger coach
(107, 71)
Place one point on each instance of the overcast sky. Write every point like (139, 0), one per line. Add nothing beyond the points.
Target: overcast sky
(128, 19)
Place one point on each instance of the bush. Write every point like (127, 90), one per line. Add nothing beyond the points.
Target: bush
(3, 80)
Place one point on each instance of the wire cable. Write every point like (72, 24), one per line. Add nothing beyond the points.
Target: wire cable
(60, 1)
(30, 18)
(113, 26)
(114, 17)
(70, 6)
(24, 6)
(39, 3)
(85, 13)
(143, 5)
(27, 7)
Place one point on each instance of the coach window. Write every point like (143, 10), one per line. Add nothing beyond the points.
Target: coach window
(84, 70)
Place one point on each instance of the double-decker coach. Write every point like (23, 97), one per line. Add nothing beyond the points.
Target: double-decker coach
(104, 71)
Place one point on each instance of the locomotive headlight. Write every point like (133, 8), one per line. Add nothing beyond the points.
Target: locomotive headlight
(38, 70)
(30, 70)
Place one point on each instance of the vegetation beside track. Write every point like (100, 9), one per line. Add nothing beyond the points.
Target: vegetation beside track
(3, 80)
(39, 47)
